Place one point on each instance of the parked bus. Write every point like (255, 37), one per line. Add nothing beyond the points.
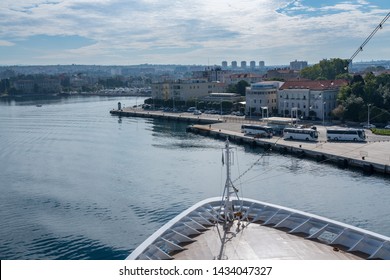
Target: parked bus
(308, 134)
(346, 134)
(257, 130)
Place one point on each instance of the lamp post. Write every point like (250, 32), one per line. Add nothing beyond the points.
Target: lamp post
(250, 109)
(323, 113)
(368, 115)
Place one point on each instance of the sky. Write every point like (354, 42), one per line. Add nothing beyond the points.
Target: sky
(201, 32)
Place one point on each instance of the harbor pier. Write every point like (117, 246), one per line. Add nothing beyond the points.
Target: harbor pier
(183, 117)
(372, 156)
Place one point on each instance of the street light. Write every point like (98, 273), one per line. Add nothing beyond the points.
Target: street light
(323, 114)
(368, 115)
(250, 109)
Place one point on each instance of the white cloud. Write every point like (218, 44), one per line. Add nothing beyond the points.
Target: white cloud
(4, 43)
(187, 30)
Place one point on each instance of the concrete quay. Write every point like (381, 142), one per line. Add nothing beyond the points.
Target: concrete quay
(372, 156)
(184, 117)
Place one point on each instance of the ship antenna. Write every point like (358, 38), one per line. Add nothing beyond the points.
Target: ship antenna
(227, 212)
(229, 190)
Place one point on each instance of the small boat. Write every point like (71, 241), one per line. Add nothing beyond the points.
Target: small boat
(234, 228)
(38, 105)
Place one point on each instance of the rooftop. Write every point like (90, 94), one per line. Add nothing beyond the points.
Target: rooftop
(314, 85)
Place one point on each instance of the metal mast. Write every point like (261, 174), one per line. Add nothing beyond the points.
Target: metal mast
(229, 190)
(227, 212)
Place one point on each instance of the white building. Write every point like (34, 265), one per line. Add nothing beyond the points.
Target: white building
(262, 97)
(308, 98)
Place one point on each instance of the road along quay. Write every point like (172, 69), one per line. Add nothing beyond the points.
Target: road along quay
(372, 156)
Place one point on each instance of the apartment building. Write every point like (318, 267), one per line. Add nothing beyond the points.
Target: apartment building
(298, 65)
(38, 85)
(183, 90)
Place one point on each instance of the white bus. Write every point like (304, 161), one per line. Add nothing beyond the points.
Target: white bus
(308, 134)
(346, 134)
(257, 130)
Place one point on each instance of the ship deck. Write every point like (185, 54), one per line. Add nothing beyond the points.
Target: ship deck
(260, 242)
(267, 231)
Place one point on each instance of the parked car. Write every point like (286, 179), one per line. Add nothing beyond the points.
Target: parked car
(191, 109)
(197, 112)
(369, 126)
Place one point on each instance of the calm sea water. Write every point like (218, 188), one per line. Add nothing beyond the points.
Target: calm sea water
(78, 183)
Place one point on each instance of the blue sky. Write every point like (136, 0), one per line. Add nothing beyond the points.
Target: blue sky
(129, 32)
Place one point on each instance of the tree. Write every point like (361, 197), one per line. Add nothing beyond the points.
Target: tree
(371, 94)
(201, 105)
(360, 93)
(344, 76)
(232, 88)
(384, 91)
(344, 93)
(326, 69)
(383, 79)
(238, 88)
(241, 87)
(312, 114)
(4, 85)
(227, 106)
(311, 72)
(379, 115)
(357, 89)
(338, 112)
(354, 108)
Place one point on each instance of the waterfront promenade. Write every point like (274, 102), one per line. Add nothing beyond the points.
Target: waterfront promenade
(370, 156)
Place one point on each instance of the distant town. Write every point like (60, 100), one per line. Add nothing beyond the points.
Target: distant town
(332, 89)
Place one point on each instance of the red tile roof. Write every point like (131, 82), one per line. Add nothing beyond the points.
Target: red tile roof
(314, 85)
